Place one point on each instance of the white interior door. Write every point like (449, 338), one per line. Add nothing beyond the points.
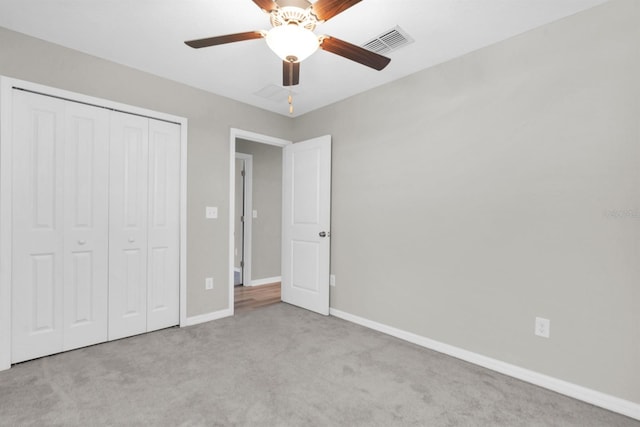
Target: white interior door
(37, 269)
(86, 213)
(238, 234)
(244, 216)
(128, 207)
(163, 290)
(306, 224)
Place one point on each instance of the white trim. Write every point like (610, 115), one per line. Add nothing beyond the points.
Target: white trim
(250, 136)
(248, 217)
(265, 281)
(183, 222)
(5, 223)
(257, 137)
(6, 85)
(86, 99)
(606, 401)
(208, 317)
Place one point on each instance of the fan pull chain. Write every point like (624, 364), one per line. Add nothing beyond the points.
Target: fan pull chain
(290, 102)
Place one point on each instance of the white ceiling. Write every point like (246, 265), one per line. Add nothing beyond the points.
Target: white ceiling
(148, 35)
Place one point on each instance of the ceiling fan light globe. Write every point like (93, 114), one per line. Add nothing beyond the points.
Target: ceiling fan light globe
(292, 41)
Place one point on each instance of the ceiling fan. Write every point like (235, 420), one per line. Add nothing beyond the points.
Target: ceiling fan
(292, 37)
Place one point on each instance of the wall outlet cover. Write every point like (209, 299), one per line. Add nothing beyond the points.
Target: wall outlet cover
(542, 327)
(211, 212)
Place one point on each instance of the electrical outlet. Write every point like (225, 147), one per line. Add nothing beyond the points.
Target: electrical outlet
(211, 212)
(208, 283)
(543, 327)
(332, 280)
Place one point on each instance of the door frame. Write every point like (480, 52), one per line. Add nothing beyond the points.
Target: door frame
(7, 85)
(248, 211)
(253, 137)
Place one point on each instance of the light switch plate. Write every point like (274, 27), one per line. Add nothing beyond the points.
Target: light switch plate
(211, 212)
(255, 213)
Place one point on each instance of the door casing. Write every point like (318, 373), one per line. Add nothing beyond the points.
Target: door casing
(248, 208)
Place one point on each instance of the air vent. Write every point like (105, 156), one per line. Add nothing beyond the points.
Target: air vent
(389, 41)
(274, 93)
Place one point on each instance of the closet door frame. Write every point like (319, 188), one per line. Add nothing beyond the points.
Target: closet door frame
(7, 86)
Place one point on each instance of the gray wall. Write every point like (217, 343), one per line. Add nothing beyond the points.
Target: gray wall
(474, 196)
(267, 200)
(210, 119)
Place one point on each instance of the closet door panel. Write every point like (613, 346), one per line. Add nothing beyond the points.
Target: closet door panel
(128, 225)
(37, 269)
(86, 201)
(163, 287)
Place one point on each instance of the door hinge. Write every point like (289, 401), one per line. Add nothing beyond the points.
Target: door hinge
(242, 218)
(242, 173)
(242, 264)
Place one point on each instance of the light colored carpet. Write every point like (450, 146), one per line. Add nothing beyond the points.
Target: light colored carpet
(276, 366)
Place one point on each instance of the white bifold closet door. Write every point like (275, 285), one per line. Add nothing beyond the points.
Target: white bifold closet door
(163, 240)
(143, 225)
(60, 225)
(95, 225)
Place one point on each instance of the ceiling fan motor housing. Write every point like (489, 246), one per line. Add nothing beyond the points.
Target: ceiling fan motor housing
(296, 12)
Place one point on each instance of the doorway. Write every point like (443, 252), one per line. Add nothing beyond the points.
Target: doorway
(304, 237)
(255, 229)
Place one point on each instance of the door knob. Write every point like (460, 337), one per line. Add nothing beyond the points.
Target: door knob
(82, 242)
(324, 234)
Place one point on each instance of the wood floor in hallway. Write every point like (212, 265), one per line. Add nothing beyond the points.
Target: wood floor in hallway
(251, 297)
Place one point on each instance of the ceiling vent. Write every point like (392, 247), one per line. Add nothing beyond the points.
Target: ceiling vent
(274, 93)
(389, 41)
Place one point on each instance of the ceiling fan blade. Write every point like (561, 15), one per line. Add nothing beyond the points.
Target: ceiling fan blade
(229, 38)
(266, 5)
(327, 9)
(290, 73)
(354, 53)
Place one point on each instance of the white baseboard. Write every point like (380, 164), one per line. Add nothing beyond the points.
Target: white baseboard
(606, 401)
(202, 318)
(267, 281)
